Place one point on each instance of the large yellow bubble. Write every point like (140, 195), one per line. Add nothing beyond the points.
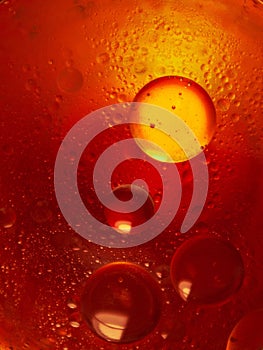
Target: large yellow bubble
(188, 101)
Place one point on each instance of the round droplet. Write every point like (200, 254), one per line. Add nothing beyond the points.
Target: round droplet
(121, 312)
(7, 217)
(124, 222)
(70, 79)
(182, 97)
(41, 211)
(247, 334)
(206, 270)
(103, 57)
(223, 104)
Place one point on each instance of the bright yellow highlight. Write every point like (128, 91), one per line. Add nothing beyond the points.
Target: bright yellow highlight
(188, 101)
(123, 226)
(185, 288)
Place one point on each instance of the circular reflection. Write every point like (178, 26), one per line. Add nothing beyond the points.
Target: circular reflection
(124, 222)
(121, 302)
(206, 270)
(247, 334)
(187, 100)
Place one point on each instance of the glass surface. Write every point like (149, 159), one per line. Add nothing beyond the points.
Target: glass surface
(64, 60)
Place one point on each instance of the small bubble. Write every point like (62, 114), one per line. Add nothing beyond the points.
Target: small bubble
(223, 104)
(103, 58)
(41, 211)
(70, 80)
(140, 68)
(74, 324)
(7, 217)
(228, 86)
(235, 117)
(72, 305)
(30, 84)
(231, 96)
(124, 222)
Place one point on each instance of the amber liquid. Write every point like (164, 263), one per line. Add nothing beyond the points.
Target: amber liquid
(61, 60)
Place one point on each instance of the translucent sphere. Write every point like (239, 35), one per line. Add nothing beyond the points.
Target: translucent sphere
(121, 302)
(124, 222)
(70, 80)
(188, 101)
(206, 270)
(7, 217)
(247, 334)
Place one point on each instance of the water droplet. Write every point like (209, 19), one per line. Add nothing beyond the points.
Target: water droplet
(192, 104)
(103, 58)
(247, 334)
(206, 270)
(235, 117)
(140, 67)
(121, 312)
(162, 271)
(74, 324)
(30, 84)
(7, 217)
(124, 222)
(223, 104)
(41, 211)
(72, 304)
(70, 79)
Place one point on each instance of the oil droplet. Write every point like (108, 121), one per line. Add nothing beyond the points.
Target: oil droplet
(124, 222)
(206, 270)
(72, 304)
(7, 217)
(247, 334)
(41, 211)
(182, 97)
(223, 104)
(74, 324)
(121, 312)
(103, 58)
(70, 79)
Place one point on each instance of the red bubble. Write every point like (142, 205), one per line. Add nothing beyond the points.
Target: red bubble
(206, 270)
(124, 222)
(121, 302)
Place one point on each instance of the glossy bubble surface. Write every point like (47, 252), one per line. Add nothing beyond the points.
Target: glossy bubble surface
(206, 270)
(124, 222)
(121, 302)
(187, 100)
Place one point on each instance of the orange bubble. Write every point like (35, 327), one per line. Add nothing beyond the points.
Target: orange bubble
(187, 100)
